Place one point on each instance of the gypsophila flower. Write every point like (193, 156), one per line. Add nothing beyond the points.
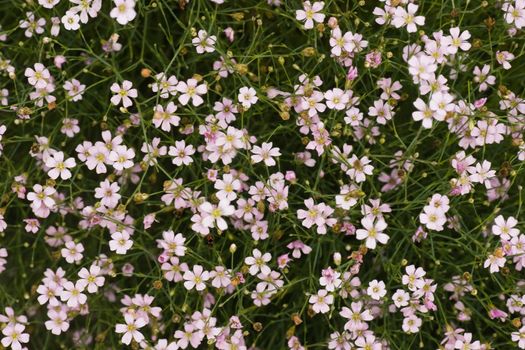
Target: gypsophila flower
(124, 11)
(191, 89)
(310, 13)
(247, 97)
(59, 167)
(120, 242)
(130, 329)
(204, 42)
(406, 17)
(123, 93)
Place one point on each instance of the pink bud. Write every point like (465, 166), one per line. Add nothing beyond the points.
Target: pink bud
(332, 22)
(455, 191)
(59, 61)
(230, 34)
(352, 73)
(162, 258)
(497, 313)
(480, 103)
(290, 176)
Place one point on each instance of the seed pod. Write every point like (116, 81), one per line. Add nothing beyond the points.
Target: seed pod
(296, 319)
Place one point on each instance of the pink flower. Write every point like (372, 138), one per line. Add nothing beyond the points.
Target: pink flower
(316, 215)
(124, 11)
(497, 313)
(181, 153)
(355, 317)
(247, 97)
(121, 157)
(123, 93)
(321, 301)
(120, 242)
(72, 252)
(196, 278)
(130, 329)
(172, 243)
(257, 262)
(191, 89)
(164, 118)
(108, 194)
(58, 166)
(372, 232)
(265, 153)
(310, 13)
(14, 336)
(72, 294)
(230, 34)
(406, 17)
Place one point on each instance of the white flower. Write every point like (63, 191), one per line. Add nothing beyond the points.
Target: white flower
(108, 194)
(71, 21)
(432, 218)
(204, 42)
(227, 187)
(482, 173)
(257, 262)
(91, 278)
(191, 90)
(406, 18)
(196, 278)
(14, 336)
(181, 153)
(321, 301)
(265, 153)
(423, 113)
(48, 4)
(72, 252)
(213, 214)
(59, 167)
(122, 157)
(372, 232)
(421, 67)
(401, 298)
(120, 242)
(38, 77)
(458, 41)
(57, 322)
(359, 168)
(72, 294)
(505, 228)
(336, 99)
(123, 93)
(495, 261)
(376, 289)
(412, 323)
(124, 11)
(130, 329)
(310, 13)
(164, 118)
(74, 89)
(247, 97)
